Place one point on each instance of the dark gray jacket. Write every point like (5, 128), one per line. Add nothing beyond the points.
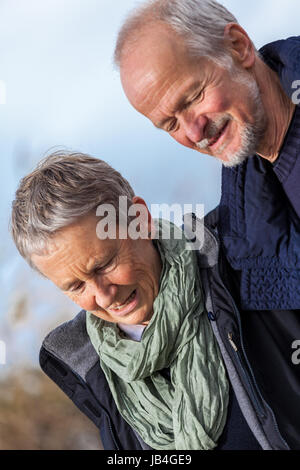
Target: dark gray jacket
(69, 359)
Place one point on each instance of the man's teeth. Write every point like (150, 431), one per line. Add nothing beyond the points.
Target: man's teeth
(127, 301)
(218, 135)
(214, 140)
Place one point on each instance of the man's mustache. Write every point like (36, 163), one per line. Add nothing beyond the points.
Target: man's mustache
(211, 131)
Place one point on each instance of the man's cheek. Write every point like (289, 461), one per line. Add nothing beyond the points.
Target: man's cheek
(183, 140)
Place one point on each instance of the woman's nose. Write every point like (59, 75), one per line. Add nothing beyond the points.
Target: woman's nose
(103, 292)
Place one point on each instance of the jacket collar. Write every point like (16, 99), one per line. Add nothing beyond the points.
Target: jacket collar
(283, 57)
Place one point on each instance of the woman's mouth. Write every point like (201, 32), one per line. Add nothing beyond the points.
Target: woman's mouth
(128, 306)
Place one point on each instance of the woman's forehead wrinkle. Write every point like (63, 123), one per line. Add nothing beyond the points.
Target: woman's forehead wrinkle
(69, 256)
(80, 269)
(73, 262)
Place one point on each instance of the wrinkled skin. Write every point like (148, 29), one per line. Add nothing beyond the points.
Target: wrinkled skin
(99, 275)
(193, 98)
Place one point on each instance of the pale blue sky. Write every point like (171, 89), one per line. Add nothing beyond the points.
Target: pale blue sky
(56, 61)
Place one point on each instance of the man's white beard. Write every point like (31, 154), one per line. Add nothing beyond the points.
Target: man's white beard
(251, 134)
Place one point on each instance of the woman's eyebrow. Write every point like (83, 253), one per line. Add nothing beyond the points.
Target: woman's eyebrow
(69, 284)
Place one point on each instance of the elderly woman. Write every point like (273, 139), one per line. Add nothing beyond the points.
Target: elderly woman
(157, 357)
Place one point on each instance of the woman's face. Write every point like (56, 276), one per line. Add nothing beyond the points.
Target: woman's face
(117, 280)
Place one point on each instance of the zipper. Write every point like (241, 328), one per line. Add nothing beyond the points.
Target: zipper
(230, 337)
(243, 369)
(233, 345)
(248, 373)
(111, 430)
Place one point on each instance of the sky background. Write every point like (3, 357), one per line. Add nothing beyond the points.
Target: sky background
(62, 90)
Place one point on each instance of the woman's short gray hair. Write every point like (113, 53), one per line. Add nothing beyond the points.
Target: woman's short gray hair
(64, 187)
(201, 23)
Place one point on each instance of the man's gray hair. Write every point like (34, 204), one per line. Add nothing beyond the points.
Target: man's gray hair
(201, 23)
(63, 188)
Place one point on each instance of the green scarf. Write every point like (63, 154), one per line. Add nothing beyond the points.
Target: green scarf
(188, 413)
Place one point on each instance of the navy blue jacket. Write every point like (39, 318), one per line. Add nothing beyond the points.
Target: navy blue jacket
(259, 228)
(259, 222)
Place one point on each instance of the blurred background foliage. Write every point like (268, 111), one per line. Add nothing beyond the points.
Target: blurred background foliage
(36, 415)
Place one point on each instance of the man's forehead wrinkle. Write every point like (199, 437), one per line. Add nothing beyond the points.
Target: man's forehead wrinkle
(149, 96)
(159, 88)
(159, 54)
(145, 89)
(172, 101)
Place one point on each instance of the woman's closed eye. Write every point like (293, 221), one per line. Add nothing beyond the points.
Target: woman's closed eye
(78, 287)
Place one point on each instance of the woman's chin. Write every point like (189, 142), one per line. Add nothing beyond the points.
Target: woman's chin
(140, 317)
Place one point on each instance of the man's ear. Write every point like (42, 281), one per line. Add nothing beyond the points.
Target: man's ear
(239, 45)
(145, 216)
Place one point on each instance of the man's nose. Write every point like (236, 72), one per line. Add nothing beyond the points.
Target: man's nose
(193, 126)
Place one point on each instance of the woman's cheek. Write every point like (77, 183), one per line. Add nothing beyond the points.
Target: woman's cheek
(123, 276)
(82, 301)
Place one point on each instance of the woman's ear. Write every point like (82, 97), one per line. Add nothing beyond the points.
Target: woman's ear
(140, 211)
(239, 45)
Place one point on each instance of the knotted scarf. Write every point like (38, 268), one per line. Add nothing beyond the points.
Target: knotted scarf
(189, 411)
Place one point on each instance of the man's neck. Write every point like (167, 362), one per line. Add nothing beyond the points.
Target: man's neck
(279, 112)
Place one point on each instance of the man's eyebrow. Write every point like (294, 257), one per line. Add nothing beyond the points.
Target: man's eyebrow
(178, 104)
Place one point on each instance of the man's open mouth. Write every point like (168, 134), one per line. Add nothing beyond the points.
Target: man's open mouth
(219, 134)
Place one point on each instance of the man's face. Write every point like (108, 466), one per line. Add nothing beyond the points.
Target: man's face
(201, 105)
(117, 280)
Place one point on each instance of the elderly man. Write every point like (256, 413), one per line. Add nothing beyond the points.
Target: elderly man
(189, 67)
